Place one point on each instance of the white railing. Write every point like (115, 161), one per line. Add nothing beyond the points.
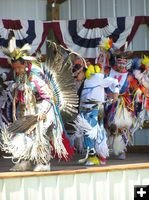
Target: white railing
(102, 183)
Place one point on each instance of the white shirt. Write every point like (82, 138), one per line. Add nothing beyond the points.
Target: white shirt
(94, 88)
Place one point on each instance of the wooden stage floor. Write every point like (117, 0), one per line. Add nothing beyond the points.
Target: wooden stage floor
(131, 158)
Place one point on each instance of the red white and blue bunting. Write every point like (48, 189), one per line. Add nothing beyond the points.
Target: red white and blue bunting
(81, 36)
(26, 31)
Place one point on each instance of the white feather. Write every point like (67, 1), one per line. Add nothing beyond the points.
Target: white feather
(123, 118)
(118, 145)
(101, 142)
(81, 125)
(28, 58)
(126, 45)
(26, 47)
(19, 145)
(12, 44)
(93, 133)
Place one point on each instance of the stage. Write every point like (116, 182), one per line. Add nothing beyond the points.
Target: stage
(69, 180)
(131, 158)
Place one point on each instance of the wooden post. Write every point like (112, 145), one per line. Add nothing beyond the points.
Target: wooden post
(52, 10)
(52, 14)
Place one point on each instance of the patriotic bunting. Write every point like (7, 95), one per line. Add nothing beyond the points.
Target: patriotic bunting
(81, 36)
(26, 31)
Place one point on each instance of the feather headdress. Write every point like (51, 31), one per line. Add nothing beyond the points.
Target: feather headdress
(13, 52)
(106, 44)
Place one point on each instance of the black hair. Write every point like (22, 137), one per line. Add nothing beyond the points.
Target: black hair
(2, 85)
(112, 60)
(77, 67)
(21, 60)
(84, 69)
(113, 128)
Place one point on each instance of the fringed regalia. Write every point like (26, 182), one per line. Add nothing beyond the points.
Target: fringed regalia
(121, 113)
(91, 104)
(47, 89)
(142, 96)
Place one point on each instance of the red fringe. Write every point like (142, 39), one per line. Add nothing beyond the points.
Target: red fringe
(69, 149)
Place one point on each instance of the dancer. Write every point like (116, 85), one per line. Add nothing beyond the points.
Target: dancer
(91, 104)
(141, 73)
(37, 134)
(120, 116)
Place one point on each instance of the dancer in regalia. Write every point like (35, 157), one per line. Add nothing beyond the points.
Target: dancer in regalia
(120, 115)
(37, 133)
(141, 73)
(87, 124)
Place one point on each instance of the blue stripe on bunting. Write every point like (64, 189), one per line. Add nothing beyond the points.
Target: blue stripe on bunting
(83, 42)
(29, 39)
(120, 28)
(31, 34)
(3, 42)
(93, 43)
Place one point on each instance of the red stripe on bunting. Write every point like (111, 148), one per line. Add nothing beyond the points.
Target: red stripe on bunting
(138, 21)
(12, 24)
(95, 23)
(58, 33)
(3, 62)
(46, 28)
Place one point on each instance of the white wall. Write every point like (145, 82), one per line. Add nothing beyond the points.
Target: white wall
(23, 9)
(77, 9)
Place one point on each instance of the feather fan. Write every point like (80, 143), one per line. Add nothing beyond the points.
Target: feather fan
(58, 73)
